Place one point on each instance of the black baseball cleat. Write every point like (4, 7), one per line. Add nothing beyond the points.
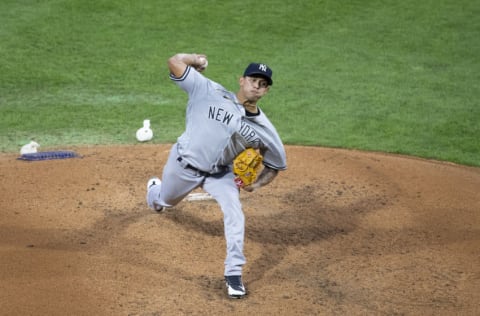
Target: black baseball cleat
(235, 287)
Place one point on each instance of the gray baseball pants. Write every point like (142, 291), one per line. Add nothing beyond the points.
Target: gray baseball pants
(178, 182)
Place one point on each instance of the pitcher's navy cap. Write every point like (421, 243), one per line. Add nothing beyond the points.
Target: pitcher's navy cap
(262, 70)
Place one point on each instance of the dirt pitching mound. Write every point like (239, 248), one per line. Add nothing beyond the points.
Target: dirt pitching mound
(339, 233)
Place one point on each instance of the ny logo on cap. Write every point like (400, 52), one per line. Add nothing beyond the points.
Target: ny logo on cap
(262, 67)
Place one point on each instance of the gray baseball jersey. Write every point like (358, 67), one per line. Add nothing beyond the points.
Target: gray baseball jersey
(218, 128)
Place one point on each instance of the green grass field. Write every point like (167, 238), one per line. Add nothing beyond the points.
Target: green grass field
(392, 76)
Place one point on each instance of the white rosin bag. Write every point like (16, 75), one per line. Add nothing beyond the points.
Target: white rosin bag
(145, 133)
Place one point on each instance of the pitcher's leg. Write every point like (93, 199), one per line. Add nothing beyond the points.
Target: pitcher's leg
(176, 183)
(227, 195)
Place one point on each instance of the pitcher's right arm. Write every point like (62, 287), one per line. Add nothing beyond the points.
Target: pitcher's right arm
(178, 63)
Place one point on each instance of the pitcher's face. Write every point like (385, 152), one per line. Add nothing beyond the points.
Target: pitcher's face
(253, 88)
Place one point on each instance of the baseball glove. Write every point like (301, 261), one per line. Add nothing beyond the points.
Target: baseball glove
(246, 166)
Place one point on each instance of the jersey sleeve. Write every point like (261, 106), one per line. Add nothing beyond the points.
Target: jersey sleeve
(195, 84)
(190, 81)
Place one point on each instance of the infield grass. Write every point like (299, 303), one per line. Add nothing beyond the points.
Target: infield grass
(392, 76)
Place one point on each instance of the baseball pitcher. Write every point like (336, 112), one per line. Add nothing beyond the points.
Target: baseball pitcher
(227, 140)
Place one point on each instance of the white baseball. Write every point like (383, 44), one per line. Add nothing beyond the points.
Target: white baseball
(203, 62)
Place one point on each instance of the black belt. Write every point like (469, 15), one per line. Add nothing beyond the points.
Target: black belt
(198, 171)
